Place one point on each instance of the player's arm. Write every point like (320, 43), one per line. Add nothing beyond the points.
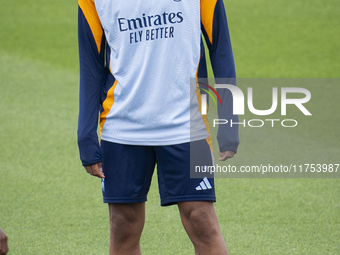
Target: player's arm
(3, 243)
(216, 33)
(91, 43)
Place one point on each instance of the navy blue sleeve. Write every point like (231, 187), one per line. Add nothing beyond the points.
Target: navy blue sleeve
(92, 78)
(223, 65)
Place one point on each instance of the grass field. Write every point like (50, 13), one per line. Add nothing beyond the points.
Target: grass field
(48, 205)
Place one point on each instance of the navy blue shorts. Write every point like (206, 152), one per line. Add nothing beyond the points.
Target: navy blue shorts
(128, 171)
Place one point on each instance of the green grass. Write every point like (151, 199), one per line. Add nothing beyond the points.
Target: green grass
(49, 205)
(285, 38)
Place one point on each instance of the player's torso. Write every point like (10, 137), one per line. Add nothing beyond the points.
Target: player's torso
(155, 48)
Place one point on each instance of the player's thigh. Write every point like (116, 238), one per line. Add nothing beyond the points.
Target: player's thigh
(174, 163)
(128, 172)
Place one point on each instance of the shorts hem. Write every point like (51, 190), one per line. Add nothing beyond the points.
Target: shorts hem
(175, 200)
(124, 200)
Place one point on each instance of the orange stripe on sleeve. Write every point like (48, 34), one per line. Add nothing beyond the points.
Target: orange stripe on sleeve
(207, 16)
(91, 15)
(107, 105)
(204, 117)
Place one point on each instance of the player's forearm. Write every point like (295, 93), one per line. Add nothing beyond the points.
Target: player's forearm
(89, 107)
(87, 139)
(227, 134)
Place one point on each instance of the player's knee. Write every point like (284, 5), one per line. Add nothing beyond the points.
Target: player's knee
(126, 220)
(203, 225)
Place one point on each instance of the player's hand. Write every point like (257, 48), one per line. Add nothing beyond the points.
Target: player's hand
(95, 170)
(225, 155)
(3, 243)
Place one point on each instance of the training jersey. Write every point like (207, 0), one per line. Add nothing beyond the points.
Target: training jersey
(137, 59)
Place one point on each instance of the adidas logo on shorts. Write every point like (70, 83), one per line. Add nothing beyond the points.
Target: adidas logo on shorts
(205, 184)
